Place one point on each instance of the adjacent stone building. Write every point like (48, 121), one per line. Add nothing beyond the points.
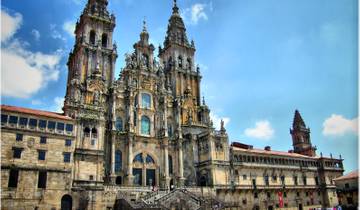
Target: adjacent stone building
(347, 188)
(123, 144)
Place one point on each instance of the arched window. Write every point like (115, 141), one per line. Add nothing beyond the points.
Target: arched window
(118, 160)
(180, 62)
(145, 101)
(104, 40)
(145, 125)
(189, 63)
(170, 165)
(94, 133)
(92, 37)
(138, 158)
(145, 60)
(149, 159)
(119, 124)
(87, 132)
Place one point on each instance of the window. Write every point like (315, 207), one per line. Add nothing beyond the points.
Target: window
(68, 142)
(306, 194)
(42, 123)
(189, 63)
(282, 180)
(138, 158)
(285, 195)
(118, 160)
(170, 165)
(17, 152)
(60, 126)
(295, 180)
(13, 178)
(347, 185)
(19, 137)
(316, 180)
(94, 133)
(32, 123)
(92, 37)
(87, 132)
(244, 177)
(266, 180)
(254, 183)
(67, 157)
(69, 128)
(298, 194)
(268, 194)
(119, 124)
(4, 118)
(169, 130)
(104, 40)
(41, 154)
(145, 101)
(180, 62)
(42, 179)
(13, 120)
(93, 142)
(145, 125)
(149, 159)
(51, 125)
(304, 180)
(91, 177)
(23, 121)
(42, 140)
(255, 195)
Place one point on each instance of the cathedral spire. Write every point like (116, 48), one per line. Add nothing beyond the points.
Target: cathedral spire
(175, 8)
(298, 121)
(176, 31)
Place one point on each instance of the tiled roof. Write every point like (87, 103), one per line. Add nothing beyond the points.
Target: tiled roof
(34, 112)
(272, 152)
(351, 175)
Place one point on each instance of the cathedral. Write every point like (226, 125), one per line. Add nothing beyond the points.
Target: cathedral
(146, 140)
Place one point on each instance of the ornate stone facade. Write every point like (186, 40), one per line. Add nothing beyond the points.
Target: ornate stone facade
(148, 130)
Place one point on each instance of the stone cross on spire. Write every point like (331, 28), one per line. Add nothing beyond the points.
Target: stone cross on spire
(175, 8)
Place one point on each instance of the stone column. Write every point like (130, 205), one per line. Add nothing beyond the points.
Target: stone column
(113, 175)
(181, 165)
(130, 159)
(166, 165)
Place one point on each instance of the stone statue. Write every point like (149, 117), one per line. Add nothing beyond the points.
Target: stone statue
(96, 98)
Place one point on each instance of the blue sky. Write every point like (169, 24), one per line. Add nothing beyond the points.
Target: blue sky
(260, 60)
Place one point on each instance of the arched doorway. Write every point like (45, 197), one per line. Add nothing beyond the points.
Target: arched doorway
(66, 202)
(118, 180)
(144, 170)
(203, 181)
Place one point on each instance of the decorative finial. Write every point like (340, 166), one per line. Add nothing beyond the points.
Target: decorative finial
(203, 100)
(144, 24)
(331, 155)
(175, 8)
(321, 154)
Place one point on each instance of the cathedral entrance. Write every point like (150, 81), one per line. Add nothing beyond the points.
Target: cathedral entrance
(137, 173)
(144, 170)
(150, 177)
(66, 202)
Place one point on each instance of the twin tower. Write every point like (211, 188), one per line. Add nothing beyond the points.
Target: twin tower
(150, 126)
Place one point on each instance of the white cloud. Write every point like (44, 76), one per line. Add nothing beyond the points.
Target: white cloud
(58, 104)
(23, 72)
(196, 12)
(217, 119)
(262, 130)
(36, 34)
(69, 27)
(337, 125)
(55, 34)
(36, 102)
(9, 25)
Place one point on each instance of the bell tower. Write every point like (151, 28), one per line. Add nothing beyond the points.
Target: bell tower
(178, 58)
(301, 137)
(91, 71)
(91, 63)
